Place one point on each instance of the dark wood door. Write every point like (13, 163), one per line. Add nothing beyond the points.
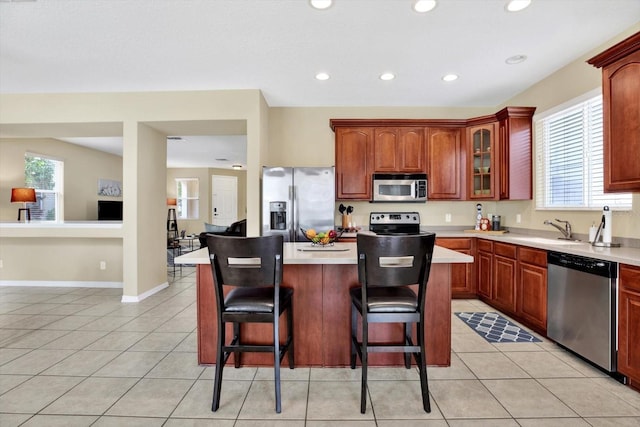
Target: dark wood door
(621, 86)
(531, 288)
(399, 150)
(504, 280)
(411, 150)
(485, 266)
(354, 163)
(462, 275)
(385, 142)
(514, 160)
(628, 323)
(445, 155)
(532, 295)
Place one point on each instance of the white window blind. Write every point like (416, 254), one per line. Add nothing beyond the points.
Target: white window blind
(569, 160)
(188, 195)
(46, 175)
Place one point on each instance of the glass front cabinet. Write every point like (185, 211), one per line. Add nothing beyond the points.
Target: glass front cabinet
(482, 166)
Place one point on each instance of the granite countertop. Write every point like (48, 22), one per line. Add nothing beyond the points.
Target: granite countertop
(339, 253)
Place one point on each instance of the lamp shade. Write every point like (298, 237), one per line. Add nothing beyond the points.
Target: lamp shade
(23, 195)
(172, 202)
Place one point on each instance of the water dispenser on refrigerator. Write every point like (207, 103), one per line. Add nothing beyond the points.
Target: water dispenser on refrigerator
(278, 214)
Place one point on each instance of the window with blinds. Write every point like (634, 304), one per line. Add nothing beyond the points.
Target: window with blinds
(188, 195)
(569, 160)
(46, 175)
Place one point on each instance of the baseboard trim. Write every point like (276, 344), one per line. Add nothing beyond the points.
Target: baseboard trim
(138, 298)
(61, 283)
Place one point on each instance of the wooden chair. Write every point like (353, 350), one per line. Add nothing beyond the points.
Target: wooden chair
(253, 266)
(387, 266)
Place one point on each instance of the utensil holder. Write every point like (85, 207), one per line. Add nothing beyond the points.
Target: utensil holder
(346, 221)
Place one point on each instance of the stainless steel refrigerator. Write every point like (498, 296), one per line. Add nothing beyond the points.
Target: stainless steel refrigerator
(294, 198)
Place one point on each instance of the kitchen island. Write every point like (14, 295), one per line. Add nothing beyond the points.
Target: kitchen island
(321, 279)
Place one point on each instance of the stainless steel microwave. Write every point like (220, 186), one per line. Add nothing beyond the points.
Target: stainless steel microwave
(399, 187)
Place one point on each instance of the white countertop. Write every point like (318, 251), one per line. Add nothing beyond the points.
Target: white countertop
(69, 229)
(340, 253)
(622, 255)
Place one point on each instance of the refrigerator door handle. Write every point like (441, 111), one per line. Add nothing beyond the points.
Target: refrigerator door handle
(293, 232)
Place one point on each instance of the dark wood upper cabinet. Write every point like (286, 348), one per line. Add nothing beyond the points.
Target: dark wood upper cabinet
(515, 153)
(482, 167)
(445, 160)
(354, 163)
(500, 152)
(398, 150)
(621, 109)
(442, 148)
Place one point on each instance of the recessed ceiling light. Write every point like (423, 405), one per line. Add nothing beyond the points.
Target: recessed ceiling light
(387, 76)
(422, 6)
(322, 76)
(450, 77)
(517, 5)
(516, 59)
(236, 166)
(320, 4)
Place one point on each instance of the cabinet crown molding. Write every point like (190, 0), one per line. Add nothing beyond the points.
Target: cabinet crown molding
(505, 113)
(617, 51)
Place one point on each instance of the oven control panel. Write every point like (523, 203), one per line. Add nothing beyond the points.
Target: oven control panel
(399, 218)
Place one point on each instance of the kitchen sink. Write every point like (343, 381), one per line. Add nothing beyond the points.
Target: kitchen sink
(545, 241)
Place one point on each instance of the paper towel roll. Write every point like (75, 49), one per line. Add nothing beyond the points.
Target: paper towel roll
(608, 226)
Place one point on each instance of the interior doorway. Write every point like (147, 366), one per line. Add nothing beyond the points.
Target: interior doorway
(224, 199)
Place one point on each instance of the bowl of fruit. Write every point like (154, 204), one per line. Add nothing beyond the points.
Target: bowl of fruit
(321, 238)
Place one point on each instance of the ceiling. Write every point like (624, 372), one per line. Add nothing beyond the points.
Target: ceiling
(278, 46)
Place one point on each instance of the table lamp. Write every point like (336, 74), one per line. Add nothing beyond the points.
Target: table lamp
(23, 195)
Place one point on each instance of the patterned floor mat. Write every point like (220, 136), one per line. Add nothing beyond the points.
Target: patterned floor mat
(495, 328)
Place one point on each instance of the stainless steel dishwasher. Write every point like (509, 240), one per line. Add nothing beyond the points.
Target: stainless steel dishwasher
(581, 307)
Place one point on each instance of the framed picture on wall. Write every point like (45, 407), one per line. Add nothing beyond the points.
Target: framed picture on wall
(109, 187)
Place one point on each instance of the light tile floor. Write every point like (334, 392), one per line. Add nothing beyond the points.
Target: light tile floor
(79, 357)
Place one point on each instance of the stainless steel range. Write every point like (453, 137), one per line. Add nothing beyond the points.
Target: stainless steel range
(396, 223)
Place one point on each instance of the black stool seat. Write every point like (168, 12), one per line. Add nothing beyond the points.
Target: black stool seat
(255, 300)
(386, 300)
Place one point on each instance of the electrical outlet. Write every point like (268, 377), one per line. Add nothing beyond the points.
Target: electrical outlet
(518, 218)
(1, 264)
(103, 265)
(447, 217)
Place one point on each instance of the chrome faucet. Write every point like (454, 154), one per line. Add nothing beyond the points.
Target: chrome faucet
(566, 231)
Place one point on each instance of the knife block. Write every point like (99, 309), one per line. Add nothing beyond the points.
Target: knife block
(346, 221)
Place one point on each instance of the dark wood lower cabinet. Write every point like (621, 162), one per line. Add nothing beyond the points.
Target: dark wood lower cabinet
(531, 288)
(629, 324)
(513, 279)
(485, 269)
(504, 283)
(463, 282)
